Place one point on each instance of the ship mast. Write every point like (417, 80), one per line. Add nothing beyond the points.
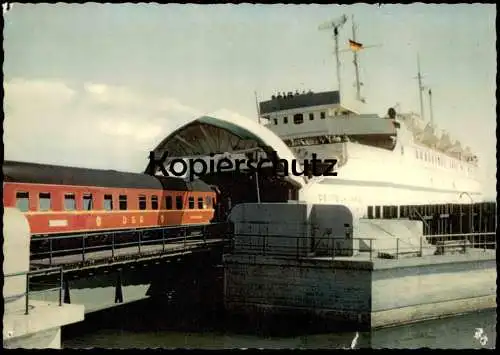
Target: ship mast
(420, 88)
(336, 25)
(430, 107)
(356, 67)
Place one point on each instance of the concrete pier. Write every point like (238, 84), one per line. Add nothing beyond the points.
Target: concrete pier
(358, 286)
(41, 327)
(28, 323)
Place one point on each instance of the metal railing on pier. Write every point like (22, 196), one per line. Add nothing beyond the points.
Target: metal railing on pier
(29, 292)
(371, 248)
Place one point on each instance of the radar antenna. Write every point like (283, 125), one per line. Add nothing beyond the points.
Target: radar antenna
(335, 25)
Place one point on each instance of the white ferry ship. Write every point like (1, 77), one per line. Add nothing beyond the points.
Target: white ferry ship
(396, 160)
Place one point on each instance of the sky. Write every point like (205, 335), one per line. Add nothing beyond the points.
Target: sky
(100, 85)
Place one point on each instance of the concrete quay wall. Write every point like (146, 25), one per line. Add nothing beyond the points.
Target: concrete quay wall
(366, 293)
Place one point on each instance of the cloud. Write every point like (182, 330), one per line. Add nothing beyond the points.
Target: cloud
(98, 126)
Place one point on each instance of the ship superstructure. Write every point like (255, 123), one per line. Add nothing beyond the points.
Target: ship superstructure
(399, 159)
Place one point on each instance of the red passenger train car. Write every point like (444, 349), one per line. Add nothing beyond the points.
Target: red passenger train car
(61, 200)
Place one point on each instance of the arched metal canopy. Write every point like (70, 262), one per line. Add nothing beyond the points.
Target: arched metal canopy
(206, 135)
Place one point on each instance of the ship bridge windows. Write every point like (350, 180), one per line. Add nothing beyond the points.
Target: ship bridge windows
(298, 118)
(322, 115)
(311, 116)
(285, 120)
(275, 121)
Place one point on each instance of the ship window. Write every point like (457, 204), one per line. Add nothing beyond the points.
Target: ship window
(44, 201)
(200, 203)
(209, 202)
(122, 202)
(142, 202)
(311, 116)
(377, 211)
(178, 202)
(275, 121)
(298, 118)
(191, 203)
(108, 202)
(87, 202)
(285, 120)
(22, 201)
(322, 115)
(154, 202)
(168, 202)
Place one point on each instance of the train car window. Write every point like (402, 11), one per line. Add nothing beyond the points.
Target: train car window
(191, 203)
(209, 202)
(168, 202)
(154, 202)
(142, 202)
(69, 202)
(108, 202)
(44, 202)
(87, 202)
(200, 203)
(178, 202)
(22, 201)
(122, 201)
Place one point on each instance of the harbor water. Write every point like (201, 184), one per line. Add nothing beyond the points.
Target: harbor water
(146, 324)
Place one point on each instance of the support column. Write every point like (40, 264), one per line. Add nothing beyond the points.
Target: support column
(118, 288)
(67, 297)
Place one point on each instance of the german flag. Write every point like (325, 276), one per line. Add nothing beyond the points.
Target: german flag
(355, 46)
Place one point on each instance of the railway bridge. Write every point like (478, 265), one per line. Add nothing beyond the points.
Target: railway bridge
(101, 274)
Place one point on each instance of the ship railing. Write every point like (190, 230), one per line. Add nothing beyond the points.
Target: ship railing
(46, 249)
(31, 289)
(338, 247)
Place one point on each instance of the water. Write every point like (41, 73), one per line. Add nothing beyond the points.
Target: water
(145, 325)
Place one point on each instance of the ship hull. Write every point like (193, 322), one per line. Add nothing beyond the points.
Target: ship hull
(378, 177)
